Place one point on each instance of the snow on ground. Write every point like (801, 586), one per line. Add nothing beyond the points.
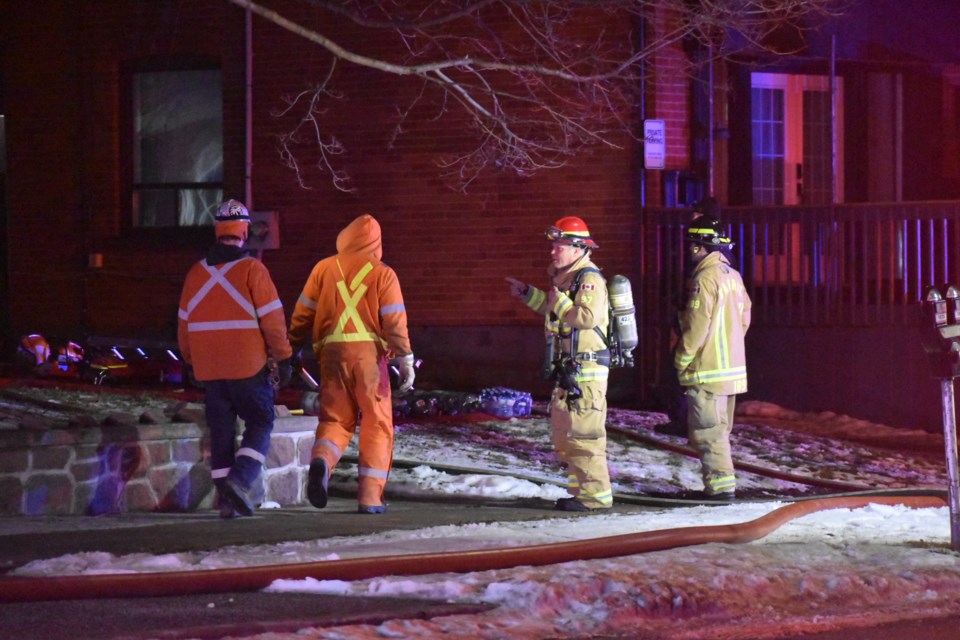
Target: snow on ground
(829, 569)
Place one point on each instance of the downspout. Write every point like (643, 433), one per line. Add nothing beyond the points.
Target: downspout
(248, 150)
(834, 168)
(710, 125)
(640, 257)
(643, 106)
(898, 137)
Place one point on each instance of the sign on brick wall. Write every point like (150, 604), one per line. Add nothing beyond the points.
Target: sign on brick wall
(654, 144)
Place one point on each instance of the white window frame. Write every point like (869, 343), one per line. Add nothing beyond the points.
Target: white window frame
(793, 87)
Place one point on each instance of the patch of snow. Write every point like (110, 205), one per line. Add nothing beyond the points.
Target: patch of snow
(831, 568)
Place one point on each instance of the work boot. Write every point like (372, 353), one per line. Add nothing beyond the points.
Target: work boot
(570, 504)
(227, 511)
(703, 496)
(241, 498)
(317, 483)
(367, 508)
(370, 495)
(671, 429)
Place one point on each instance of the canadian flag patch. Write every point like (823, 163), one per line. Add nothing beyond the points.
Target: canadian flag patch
(586, 286)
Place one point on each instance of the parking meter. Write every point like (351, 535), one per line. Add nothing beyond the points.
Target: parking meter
(951, 296)
(940, 334)
(940, 331)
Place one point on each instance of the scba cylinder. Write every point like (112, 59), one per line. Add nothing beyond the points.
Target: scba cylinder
(624, 318)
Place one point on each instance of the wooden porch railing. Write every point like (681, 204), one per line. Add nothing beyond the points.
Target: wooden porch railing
(850, 265)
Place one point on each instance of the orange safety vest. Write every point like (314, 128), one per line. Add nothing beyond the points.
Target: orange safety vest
(230, 320)
(352, 296)
(37, 346)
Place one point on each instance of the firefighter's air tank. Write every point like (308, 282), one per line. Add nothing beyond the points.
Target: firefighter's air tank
(624, 318)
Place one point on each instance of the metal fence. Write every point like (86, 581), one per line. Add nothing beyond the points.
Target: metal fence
(829, 266)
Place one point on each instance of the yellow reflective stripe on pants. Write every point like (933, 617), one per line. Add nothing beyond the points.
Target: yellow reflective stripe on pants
(710, 421)
(593, 374)
(722, 484)
(579, 436)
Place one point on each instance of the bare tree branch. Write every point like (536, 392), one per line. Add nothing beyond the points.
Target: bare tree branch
(538, 81)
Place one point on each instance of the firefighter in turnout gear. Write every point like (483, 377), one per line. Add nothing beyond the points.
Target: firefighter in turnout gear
(231, 329)
(676, 397)
(710, 357)
(351, 311)
(576, 320)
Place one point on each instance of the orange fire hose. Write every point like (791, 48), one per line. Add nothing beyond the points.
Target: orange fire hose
(766, 472)
(29, 589)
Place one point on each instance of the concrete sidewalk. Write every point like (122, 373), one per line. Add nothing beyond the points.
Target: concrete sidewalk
(221, 615)
(26, 538)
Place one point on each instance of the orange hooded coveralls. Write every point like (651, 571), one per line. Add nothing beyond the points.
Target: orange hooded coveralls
(352, 312)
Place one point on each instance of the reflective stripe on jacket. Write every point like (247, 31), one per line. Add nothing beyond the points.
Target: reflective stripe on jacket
(587, 310)
(711, 351)
(230, 320)
(352, 296)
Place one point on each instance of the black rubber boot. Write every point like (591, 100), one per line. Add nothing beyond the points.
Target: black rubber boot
(570, 504)
(317, 483)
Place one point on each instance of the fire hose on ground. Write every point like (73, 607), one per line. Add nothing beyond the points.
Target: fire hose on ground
(31, 589)
(766, 472)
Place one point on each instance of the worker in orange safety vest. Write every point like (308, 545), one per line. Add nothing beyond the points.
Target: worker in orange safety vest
(232, 331)
(33, 350)
(351, 311)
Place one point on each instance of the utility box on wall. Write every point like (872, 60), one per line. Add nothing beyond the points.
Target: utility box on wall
(264, 230)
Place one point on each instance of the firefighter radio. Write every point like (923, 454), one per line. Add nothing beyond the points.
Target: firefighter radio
(940, 331)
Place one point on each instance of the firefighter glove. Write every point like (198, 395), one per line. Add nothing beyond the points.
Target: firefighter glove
(406, 369)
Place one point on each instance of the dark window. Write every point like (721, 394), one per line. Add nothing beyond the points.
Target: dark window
(177, 147)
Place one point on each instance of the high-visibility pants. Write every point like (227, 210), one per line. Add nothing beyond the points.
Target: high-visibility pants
(355, 387)
(709, 423)
(580, 438)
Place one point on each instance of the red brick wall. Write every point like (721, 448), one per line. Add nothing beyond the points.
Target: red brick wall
(43, 194)
(68, 174)
(669, 101)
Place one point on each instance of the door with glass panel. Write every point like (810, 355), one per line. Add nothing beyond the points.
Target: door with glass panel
(793, 140)
(793, 164)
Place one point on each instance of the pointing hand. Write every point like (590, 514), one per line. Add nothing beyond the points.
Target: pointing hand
(517, 289)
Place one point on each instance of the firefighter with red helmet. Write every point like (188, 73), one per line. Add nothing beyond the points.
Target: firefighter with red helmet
(710, 357)
(231, 329)
(351, 312)
(576, 319)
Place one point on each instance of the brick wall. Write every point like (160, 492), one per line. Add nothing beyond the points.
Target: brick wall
(69, 170)
(670, 101)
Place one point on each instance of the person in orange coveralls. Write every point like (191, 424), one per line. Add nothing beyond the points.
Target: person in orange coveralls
(232, 331)
(351, 311)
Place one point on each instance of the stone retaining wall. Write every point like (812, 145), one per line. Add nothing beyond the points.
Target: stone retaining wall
(96, 470)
